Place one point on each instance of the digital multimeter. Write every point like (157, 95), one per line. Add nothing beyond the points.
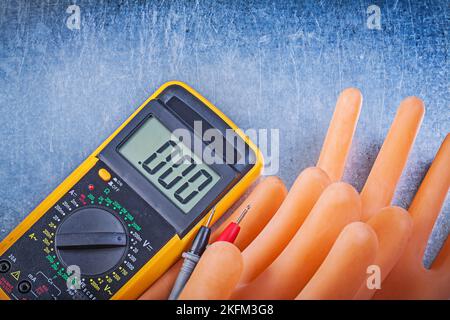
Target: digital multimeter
(125, 215)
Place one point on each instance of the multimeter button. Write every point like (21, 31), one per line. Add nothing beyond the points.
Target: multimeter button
(24, 286)
(104, 175)
(4, 266)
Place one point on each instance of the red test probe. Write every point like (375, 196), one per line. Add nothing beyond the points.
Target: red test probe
(232, 230)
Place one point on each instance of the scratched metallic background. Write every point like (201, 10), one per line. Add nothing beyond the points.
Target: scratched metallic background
(277, 64)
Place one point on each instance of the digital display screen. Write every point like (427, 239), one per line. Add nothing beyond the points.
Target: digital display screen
(169, 164)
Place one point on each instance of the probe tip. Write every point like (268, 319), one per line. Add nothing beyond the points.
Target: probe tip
(244, 212)
(210, 216)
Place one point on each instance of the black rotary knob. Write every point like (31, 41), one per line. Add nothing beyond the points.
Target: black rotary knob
(93, 239)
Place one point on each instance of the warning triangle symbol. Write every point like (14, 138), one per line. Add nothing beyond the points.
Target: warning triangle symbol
(16, 274)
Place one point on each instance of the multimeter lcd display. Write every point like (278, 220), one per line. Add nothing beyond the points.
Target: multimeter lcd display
(169, 164)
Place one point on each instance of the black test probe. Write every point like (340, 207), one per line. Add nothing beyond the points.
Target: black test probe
(192, 257)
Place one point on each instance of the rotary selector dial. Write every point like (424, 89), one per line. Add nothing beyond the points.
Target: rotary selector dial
(93, 239)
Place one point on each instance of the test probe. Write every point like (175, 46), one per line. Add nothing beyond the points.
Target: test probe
(232, 230)
(199, 245)
(192, 257)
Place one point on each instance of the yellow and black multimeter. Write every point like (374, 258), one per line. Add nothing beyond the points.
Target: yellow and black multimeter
(125, 215)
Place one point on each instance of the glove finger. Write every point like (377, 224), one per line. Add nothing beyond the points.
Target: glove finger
(216, 274)
(285, 223)
(340, 133)
(430, 198)
(344, 269)
(393, 227)
(388, 167)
